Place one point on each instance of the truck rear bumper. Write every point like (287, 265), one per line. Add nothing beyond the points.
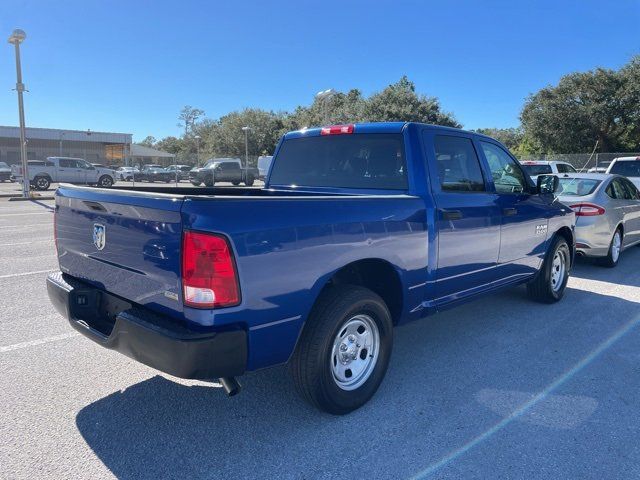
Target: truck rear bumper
(145, 336)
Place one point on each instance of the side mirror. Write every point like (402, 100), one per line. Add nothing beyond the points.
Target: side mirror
(547, 184)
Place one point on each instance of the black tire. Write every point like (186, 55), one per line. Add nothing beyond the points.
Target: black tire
(209, 183)
(105, 181)
(196, 184)
(42, 183)
(235, 183)
(311, 363)
(542, 288)
(249, 181)
(610, 261)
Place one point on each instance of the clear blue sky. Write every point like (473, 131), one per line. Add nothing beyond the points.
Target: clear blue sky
(129, 66)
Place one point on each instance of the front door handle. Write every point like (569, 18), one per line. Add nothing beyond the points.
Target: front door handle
(509, 212)
(451, 214)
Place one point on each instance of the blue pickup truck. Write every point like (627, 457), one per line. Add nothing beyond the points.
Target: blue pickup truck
(359, 228)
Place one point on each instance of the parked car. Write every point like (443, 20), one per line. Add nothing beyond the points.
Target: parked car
(155, 173)
(628, 167)
(607, 211)
(601, 167)
(64, 169)
(535, 168)
(5, 172)
(223, 170)
(264, 162)
(358, 229)
(127, 174)
(183, 171)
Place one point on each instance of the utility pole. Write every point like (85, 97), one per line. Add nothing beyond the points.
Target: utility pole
(16, 38)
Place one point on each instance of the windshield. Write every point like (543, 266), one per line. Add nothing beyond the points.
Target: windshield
(363, 161)
(534, 170)
(577, 187)
(627, 168)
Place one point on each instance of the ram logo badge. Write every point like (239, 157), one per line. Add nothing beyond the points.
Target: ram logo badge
(541, 229)
(99, 236)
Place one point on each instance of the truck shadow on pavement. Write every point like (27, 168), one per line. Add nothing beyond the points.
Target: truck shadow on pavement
(447, 404)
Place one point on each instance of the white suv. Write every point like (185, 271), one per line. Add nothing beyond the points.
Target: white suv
(627, 167)
(535, 168)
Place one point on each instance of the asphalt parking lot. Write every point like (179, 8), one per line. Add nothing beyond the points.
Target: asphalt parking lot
(498, 388)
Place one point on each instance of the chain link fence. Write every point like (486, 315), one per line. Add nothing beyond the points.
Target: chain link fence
(580, 161)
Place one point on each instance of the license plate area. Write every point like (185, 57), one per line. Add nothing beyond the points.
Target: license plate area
(96, 309)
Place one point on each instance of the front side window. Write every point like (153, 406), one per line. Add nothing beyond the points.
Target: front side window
(66, 163)
(507, 175)
(458, 164)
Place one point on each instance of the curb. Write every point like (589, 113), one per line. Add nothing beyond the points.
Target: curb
(10, 195)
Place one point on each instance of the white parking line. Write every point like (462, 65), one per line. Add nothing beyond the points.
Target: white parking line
(26, 243)
(26, 273)
(4, 227)
(23, 214)
(40, 341)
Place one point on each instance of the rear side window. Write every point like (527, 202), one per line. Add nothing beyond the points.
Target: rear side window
(616, 190)
(361, 161)
(577, 187)
(631, 189)
(565, 168)
(458, 165)
(626, 168)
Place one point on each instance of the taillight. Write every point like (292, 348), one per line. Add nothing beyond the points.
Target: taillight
(336, 130)
(209, 277)
(55, 229)
(587, 209)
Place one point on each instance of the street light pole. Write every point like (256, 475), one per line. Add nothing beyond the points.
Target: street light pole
(60, 145)
(246, 149)
(197, 137)
(324, 96)
(16, 38)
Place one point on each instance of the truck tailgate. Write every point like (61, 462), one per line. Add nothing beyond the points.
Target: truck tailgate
(123, 242)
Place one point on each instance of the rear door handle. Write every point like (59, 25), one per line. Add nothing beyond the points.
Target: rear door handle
(509, 212)
(451, 214)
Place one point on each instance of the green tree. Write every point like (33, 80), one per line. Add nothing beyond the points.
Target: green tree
(510, 137)
(225, 137)
(171, 145)
(400, 102)
(584, 108)
(188, 118)
(148, 141)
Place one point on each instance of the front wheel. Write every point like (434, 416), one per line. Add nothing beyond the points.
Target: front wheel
(549, 284)
(344, 350)
(249, 181)
(105, 181)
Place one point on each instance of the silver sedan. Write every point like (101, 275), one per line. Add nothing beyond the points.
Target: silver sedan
(607, 211)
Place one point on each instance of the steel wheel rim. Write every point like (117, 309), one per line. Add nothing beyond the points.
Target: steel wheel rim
(616, 243)
(355, 352)
(558, 269)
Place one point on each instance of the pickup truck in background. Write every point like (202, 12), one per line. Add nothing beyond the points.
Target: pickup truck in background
(5, 172)
(42, 173)
(360, 228)
(223, 170)
(627, 167)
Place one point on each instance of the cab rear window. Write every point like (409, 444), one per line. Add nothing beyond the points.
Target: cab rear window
(373, 161)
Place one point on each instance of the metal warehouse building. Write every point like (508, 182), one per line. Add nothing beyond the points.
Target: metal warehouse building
(96, 147)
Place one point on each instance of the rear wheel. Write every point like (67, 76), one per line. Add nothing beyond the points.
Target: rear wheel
(249, 181)
(236, 183)
(42, 183)
(344, 350)
(209, 183)
(613, 255)
(196, 184)
(551, 280)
